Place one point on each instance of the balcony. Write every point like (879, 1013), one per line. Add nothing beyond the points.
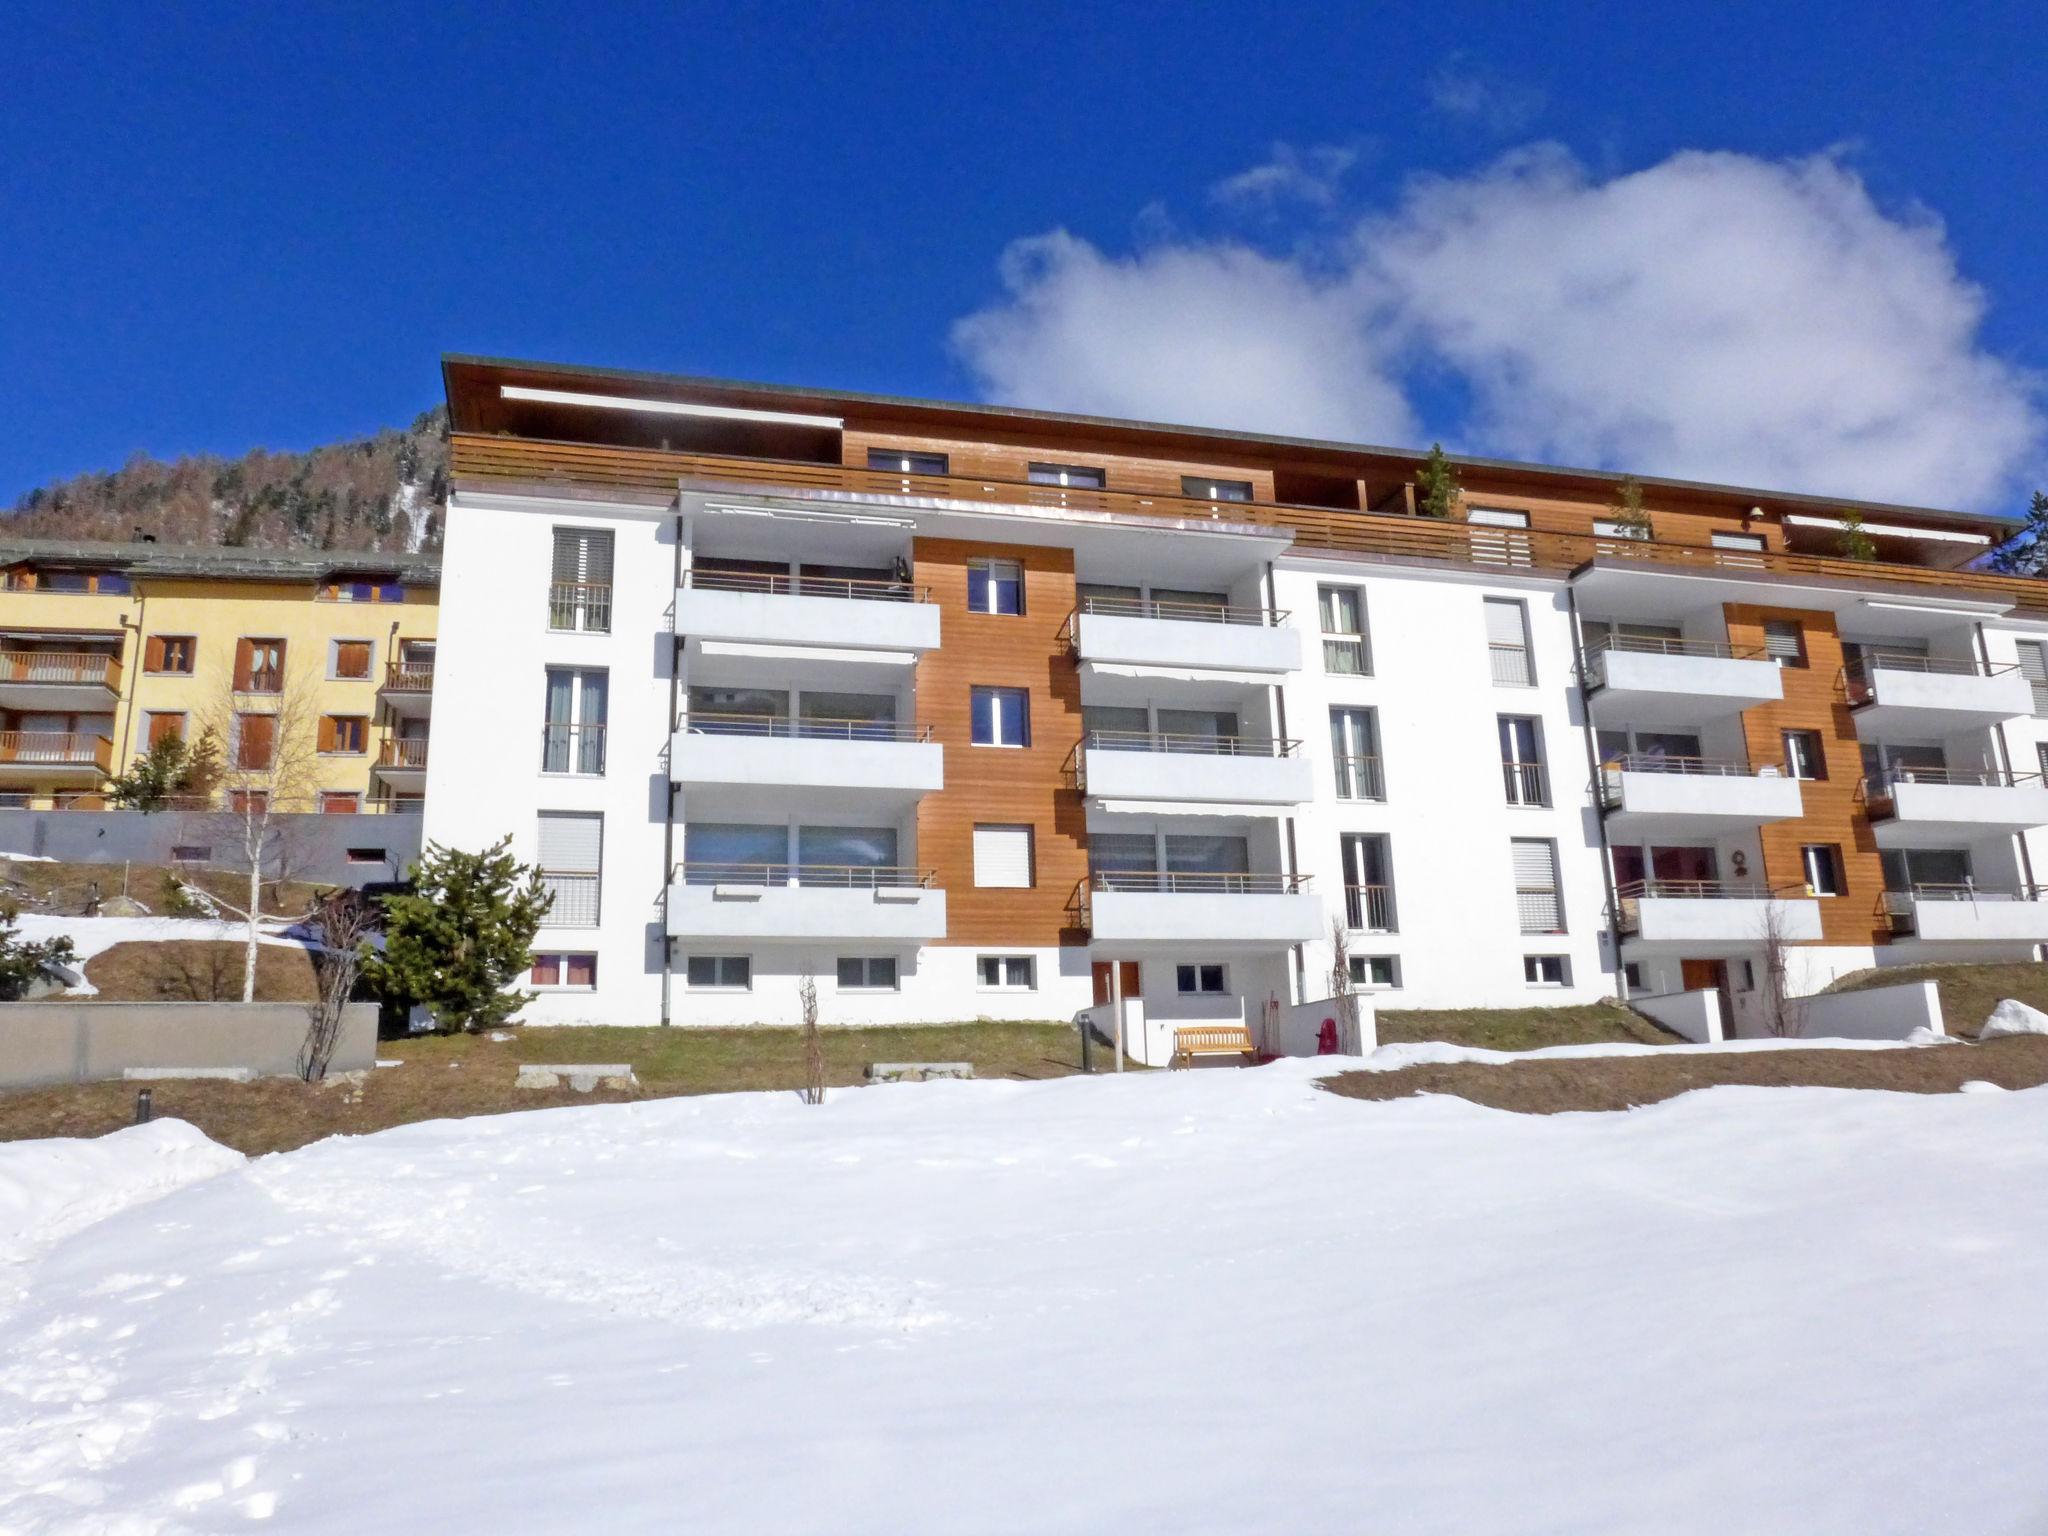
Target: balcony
(408, 687)
(1674, 682)
(580, 607)
(1709, 918)
(1182, 908)
(1141, 632)
(71, 756)
(1962, 914)
(65, 681)
(805, 901)
(1649, 798)
(1892, 695)
(1936, 807)
(841, 613)
(1150, 765)
(770, 751)
(402, 762)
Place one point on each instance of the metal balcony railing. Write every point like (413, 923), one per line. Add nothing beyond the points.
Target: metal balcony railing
(1596, 650)
(1178, 610)
(79, 669)
(1613, 768)
(705, 723)
(571, 747)
(1191, 742)
(573, 898)
(1510, 664)
(1525, 783)
(1179, 882)
(583, 606)
(843, 877)
(1360, 778)
(1859, 684)
(853, 588)
(1369, 908)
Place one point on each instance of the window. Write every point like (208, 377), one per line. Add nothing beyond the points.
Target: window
(1202, 979)
(1355, 750)
(1368, 882)
(1344, 648)
(2033, 659)
(363, 589)
(1822, 865)
(259, 666)
(1804, 758)
(1546, 970)
(190, 853)
(1632, 975)
(2041, 753)
(571, 849)
(1536, 903)
(1002, 856)
(1784, 643)
(995, 586)
(1507, 642)
(721, 973)
(868, 973)
(1497, 517)
(904, 462)
(1604, 529)
(580, 588)
(1745, 970)
(572, 738)
(1202, 488)
(348, 660)
(340, 802)
(1373, 970)
(248, 802)
(14, 799)
(169, 653)
(344, 733)
(1082, 475)
(255, 740)
(165, 725)
(366, 856)
(1009, 973)
(1521, 760)
(565, 970)
(1002, 717)
(1737, 541)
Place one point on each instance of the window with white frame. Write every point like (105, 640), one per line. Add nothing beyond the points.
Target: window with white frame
(995, 586)
(1344, 639)
(1374, 971)
(1821, 863)
(1521, 760)
(1368, 864)
(1001, 717)
(1355, 751)
(2033, 659)
(566, 971)
(1507, 642)
(577, 708)
(1201, 980)
(1546, 970)
(1536, 898)
(1008, 973)
(867, 973)
(571, 866)
(1002, 856)
(720, 973)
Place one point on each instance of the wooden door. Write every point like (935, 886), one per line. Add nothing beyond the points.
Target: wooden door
(1100, 971)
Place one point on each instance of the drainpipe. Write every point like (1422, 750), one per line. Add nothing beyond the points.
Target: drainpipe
(668, 814)
(1593, 769)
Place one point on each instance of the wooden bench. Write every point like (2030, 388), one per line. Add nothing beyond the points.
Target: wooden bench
(1192, 1040)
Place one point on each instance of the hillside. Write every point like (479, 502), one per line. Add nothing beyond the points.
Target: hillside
(382, 492)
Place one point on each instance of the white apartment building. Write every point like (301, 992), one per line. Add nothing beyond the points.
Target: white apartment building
(974, 713)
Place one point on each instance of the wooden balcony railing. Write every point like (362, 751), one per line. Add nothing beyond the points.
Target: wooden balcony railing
(403, 752)
(75, 669)
(1389, 536)
(55, 749)
(408, 677)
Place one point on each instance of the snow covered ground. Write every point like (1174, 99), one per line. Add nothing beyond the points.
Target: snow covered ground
(96, 935)
(1211, 1301)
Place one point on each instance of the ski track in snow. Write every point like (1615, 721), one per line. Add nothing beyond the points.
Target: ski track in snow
(1194, 1302)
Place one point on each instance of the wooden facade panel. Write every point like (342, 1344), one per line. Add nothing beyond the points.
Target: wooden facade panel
(1833, 807)
(1013, 461)
(1018, 786)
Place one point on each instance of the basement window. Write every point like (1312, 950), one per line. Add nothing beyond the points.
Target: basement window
(1202, 979)
(1546, 970)
(1374, 970)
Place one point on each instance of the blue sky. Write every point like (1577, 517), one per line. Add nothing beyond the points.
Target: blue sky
(262, 226)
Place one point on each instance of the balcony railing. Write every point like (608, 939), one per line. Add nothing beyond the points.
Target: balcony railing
(1702, 890)
(806, 728)
(1526, 783)
(55, 749)
(1859, 687)
(1360, 778)
(1510, 663)
(584, 606)
(1206, 746)
(408, 677)
(403, 752)
(573, 898)
(844, 877)
(78, 669)
(569, 747)
(1196, 882)
(1177, 610)
(1369, 908)
(1897, 902)
(1595, 653)
(854, 588)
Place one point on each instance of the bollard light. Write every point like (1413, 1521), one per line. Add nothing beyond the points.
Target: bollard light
(142, 1106)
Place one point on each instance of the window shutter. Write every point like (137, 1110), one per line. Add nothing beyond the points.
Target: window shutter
(153, 654)
(352, 658)
(571, 842)
(1504, 625)
(1497, 517)
(245, 661)
(1535, 863)
(327, 733)
(2033, 657)
(166, 727)
(1781, 642)
(583, 555)
(1002, 856)
(253, 743)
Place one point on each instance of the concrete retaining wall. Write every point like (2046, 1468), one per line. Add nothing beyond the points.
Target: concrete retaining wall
(320, 843)
(1694, 1016)
(1880, 1013)
(58, 1042)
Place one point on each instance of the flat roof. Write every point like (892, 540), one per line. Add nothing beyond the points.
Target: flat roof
(475, 405)
(224, 562)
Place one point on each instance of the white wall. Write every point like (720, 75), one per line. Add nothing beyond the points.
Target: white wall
(1881, 1013)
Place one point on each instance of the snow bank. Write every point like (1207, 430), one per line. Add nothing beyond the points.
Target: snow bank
(1199, 1301)
(51, 1189)
(95, 935)
(2013, 1017)
(1391, 1058)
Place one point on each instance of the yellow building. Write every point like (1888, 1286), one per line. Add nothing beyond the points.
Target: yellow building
(107, 647)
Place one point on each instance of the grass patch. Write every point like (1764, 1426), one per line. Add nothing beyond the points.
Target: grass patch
(1968, 992)
(454, 1076)
(1521, 1029)
(199, 971)
(1621, 1082)
(69, 888)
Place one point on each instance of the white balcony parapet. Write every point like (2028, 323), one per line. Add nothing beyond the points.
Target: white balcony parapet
(837, 612)
(1207, 637)
(1922, 806)
(1653, 796)
(1183, 908)
(773, 751)
(1238, 770)
(805, 901)
(1931, 695)
(1674, 682)
(1713, 917)
(1962, 914)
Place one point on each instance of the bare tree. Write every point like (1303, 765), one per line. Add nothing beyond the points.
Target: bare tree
(1780, 1019)
(814, 1042)
(1340, 988)
(345, 917)
(271, 769)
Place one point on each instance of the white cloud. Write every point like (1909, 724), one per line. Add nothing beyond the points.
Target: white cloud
(1472, 92)
(1287, 175)
(1715, 316)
